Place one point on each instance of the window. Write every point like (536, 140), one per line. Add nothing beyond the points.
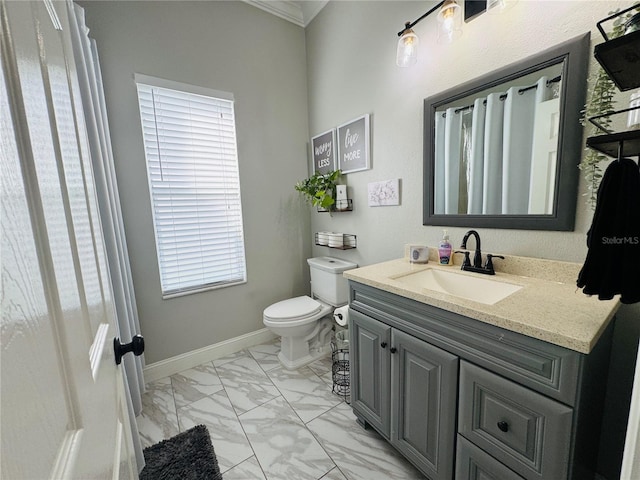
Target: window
(192, 165)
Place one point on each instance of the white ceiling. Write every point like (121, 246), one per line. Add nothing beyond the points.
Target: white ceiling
(298, 12)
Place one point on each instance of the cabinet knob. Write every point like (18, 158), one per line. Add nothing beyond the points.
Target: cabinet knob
(503, 426)
(383, 344)
(393, 349)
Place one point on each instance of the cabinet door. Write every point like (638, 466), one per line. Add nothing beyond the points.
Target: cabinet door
(370, 370)
(423, 404)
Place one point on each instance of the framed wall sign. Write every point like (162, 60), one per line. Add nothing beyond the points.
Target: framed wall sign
(323, 152)
(353, 145)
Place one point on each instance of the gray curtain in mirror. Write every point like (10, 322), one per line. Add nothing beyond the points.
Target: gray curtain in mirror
(498, 156)
(92, 94)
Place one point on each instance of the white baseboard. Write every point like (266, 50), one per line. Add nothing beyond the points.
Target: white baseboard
(185, 361)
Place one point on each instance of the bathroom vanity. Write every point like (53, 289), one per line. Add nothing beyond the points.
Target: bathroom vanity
(509, 389)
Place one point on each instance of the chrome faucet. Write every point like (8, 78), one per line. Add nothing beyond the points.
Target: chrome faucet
(477, 267)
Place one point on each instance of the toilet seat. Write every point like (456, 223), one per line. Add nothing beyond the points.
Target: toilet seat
(298, 308)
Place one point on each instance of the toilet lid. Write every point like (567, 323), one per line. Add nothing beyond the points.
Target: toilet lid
(293, 308)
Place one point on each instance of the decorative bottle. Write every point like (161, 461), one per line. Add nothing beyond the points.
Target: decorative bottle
(444, 249)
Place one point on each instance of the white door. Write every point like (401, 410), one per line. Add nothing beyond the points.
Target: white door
(63, 413)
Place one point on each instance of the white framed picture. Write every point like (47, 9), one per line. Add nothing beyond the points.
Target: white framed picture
(323, 152)
(381, 194)
(353, 145)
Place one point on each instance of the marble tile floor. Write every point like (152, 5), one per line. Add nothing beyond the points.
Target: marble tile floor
(270, 423)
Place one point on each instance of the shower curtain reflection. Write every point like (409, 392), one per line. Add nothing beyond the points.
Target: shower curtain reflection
(498, 156)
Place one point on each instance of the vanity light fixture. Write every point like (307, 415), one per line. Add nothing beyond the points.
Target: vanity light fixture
(407, 53)
(449, 28)
(449, 22)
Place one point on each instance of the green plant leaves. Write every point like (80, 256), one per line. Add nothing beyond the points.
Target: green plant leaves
(319, 189)
(600, 101)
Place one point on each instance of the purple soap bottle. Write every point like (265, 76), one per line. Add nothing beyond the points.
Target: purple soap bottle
(444, 250)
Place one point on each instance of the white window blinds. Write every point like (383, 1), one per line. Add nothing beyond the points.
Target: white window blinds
(192, 166)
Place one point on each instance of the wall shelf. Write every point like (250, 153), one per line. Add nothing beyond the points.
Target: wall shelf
(620, 58)
(622, 144)
(345, 205)
(333, 240)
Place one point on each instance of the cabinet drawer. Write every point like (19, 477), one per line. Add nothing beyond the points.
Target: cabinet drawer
(474, 464)
(526, 431)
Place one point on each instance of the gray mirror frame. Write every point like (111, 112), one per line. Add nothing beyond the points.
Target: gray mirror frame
(575, 54)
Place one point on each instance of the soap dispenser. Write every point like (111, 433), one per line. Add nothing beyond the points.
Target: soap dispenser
(444, 250)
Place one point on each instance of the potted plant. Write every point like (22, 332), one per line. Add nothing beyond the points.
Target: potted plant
(320, 189)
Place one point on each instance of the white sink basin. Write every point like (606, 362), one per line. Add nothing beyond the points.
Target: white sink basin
(479, 289)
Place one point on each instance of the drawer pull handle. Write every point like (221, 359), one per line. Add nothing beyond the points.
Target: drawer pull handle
(383, 344)
(393, 350)
(503, 426)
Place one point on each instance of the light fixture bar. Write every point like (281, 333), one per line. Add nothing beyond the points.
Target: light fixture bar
(408, 25)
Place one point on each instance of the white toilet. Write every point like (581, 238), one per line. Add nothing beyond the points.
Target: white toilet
(304, 323)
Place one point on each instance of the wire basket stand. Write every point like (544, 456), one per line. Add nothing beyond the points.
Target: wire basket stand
(340, 364)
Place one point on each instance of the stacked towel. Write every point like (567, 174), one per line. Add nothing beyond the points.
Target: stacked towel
(612, 265)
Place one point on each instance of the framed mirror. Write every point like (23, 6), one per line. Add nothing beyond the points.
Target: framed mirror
(502, 151)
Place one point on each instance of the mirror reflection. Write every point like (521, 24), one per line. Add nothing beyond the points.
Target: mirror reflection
(495, 152)
(502, 150)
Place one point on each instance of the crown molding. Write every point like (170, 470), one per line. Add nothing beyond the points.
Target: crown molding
(286, 9)
(310, 8)
(299, 12)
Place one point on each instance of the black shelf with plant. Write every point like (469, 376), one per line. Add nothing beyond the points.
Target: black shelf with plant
(602, 141)
(320, 189)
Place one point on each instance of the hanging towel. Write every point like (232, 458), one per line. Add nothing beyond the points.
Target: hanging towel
(612, 265)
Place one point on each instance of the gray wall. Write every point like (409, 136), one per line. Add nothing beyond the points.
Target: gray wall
(348, 69)
(351, 50)
(260, 58)
(351, 70)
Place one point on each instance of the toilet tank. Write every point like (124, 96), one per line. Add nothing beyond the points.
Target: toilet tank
(327, 282)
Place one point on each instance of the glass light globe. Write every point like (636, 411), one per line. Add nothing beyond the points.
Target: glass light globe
(407, 52)
(449, 22)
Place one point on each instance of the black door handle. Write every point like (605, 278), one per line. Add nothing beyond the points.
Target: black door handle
(383, 344)
(136, 346)
(393, 349)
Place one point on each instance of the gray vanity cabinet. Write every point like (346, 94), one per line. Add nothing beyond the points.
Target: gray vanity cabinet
(407, 390)
(460, 397)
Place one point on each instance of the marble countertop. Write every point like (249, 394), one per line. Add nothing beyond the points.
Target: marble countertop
(549, 307)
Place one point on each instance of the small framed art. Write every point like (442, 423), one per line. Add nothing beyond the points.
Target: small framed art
(384, 193)
(323, 152)
(353, 145)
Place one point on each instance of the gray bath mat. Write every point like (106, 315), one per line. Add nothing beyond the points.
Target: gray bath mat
(186, 456)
